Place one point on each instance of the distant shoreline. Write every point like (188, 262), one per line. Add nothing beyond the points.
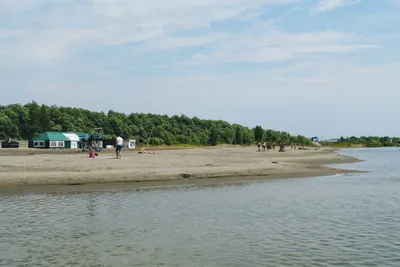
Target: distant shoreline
(25, 149)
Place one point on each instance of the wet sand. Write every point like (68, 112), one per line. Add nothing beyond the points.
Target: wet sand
(31, 167)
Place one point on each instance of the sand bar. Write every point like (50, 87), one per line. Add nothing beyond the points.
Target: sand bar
(22, 167)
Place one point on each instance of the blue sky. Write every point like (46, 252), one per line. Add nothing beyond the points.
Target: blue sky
(327, 68)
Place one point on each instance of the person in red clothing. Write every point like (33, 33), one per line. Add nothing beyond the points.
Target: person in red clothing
(91, 153)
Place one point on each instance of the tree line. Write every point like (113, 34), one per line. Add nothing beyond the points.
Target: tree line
(366, 141)
(29, 120)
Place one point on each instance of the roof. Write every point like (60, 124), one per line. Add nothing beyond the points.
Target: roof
(83, 135)
(61, 136)
(51, 136)
(71, 136)
(10, 141)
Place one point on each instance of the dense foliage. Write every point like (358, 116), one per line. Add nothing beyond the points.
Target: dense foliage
(365, 141)
(26, 121)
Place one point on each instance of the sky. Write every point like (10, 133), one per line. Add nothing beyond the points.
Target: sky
(325, 68)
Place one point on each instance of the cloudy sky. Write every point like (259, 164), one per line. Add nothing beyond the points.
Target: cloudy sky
(327, 68)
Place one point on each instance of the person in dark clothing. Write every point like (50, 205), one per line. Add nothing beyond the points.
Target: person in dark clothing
(282, 147)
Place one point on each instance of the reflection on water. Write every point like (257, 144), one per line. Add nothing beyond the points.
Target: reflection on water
(343, 220)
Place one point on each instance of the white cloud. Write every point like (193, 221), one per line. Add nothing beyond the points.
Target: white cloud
(69, 26)
(20, 5)
(126, 38)
(272, 45)
(325, 5)
(7, 34)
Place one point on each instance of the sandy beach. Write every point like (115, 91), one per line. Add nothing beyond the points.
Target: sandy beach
(42, 167)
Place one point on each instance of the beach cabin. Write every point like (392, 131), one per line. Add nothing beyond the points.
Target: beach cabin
(73, 140)
(55, 140)
(130, 143)
(10, 143)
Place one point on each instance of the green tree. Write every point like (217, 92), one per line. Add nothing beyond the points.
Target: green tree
(29, 120)
(258, 133)
(213, 137)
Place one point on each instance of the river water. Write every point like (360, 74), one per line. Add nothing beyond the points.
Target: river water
(342, 220)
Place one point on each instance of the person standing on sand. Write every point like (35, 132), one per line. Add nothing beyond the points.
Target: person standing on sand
(118, 146)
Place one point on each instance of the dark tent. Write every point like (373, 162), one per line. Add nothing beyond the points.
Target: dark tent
(109, 142)
(10, 143)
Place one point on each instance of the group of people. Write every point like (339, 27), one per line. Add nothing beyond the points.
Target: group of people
(271, 146)
(119, 143)
(265, 146)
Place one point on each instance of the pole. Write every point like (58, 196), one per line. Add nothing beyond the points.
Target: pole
(233, 137)
(151, 132)
(262, 138)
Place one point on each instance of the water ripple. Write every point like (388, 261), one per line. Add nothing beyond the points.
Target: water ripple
(328, 221)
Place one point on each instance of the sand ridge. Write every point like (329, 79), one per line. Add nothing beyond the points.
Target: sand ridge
(24, 168)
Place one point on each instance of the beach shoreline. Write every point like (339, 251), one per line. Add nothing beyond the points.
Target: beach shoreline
(32, 169)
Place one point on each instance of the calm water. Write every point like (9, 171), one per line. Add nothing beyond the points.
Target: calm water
(343, 220)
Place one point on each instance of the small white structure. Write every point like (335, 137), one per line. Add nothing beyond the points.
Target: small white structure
(73, 138)
(131, 143)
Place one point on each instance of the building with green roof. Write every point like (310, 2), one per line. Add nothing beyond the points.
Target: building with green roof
(56, 140)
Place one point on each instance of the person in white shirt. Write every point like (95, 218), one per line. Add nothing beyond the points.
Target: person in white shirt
(118, 146)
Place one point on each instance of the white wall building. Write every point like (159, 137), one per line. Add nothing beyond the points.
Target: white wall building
(73, 138)
(131, 143)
